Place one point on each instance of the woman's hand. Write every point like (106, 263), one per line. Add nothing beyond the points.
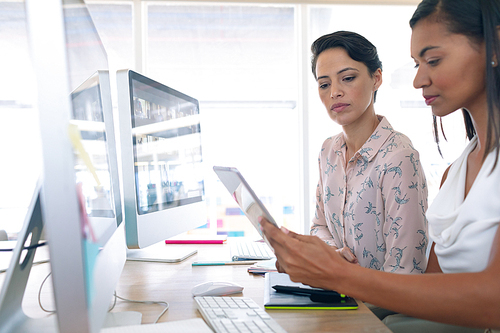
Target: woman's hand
(278, 267)
(345, 252)
(305, 259)
(348, 255)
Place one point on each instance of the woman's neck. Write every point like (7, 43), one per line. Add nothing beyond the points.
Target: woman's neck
(475, 159)
(480, 123)
(356, 134)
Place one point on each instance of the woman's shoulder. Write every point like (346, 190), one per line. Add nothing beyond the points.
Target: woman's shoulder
(398, 145)
(395, 142)
(401, 139)
(333, 141)
(445, 175)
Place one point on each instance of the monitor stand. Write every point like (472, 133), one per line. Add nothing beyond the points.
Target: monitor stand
(161, 252)
(12, 316)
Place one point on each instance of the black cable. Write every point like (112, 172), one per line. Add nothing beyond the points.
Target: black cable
(27, 247)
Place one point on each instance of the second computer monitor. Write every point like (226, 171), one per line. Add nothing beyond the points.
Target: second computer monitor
(163, 182)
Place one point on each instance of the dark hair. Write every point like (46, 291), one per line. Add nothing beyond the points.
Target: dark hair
(357, 47)
(478, 20)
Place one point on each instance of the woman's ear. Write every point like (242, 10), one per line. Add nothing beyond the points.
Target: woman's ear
(377, 77)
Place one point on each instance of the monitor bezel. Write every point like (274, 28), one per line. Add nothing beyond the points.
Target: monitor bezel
(143, 230)
(59, 200)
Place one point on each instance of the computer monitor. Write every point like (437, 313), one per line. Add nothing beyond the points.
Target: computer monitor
(163, 181)
(102, 234)
(82, 222)
(92, 114)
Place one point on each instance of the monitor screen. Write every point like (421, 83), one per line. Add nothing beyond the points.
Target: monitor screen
(163, 175)
(167, 146)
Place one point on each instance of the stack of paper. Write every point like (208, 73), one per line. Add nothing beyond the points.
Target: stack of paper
(263, 267)
(195, 325)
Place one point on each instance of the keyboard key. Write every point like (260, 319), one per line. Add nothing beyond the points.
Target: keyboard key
(236, 314)
(251, 251)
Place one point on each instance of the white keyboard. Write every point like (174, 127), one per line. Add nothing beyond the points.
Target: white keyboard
(235, 314)
(251, 251)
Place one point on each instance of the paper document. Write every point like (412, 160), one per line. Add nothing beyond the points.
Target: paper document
(196, 325)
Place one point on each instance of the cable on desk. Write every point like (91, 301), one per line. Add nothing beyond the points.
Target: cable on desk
(40, 293)
(144, 302)
(38, 262)
(112, 306)
(27, 247)
(3, 270)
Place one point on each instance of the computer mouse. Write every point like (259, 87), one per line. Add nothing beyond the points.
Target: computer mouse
(216, 288)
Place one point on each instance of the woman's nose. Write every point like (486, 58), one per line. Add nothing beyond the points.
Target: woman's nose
(421, 79)
(335, 92)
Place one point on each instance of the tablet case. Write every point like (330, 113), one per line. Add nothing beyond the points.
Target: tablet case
(275, 300)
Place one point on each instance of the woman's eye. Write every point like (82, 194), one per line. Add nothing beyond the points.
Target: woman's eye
(416, 66)
(349, 78)
(433, 62)
(323, 86)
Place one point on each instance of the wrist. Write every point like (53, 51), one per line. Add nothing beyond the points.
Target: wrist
(347, 278)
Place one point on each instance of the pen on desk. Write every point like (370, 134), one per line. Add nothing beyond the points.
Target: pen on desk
(221, 263)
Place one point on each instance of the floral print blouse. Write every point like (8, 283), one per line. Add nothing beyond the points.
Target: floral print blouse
(376, 205)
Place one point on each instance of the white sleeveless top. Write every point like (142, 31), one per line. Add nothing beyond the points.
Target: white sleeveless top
(463, 230)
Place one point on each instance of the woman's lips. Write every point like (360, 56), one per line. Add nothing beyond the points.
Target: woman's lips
(430, 99)
(339, 107)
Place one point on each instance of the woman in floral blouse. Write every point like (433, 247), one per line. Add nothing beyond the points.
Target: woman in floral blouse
(372, 195)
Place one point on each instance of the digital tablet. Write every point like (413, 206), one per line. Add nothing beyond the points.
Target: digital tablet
(244, 196)
(288, 298)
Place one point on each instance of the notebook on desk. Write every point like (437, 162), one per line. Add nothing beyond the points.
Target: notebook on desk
(278, 300)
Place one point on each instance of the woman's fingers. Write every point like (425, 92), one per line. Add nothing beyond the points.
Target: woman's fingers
(348, 255)
(279, 268)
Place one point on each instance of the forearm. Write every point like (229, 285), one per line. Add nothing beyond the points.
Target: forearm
(322, 232)
(467, 299)
(319, 227)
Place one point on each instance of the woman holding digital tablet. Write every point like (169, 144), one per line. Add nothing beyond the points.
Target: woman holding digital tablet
(455, 45)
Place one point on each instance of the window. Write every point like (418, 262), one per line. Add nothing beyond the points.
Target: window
(113, 21)
(19, 133)
(240, 62)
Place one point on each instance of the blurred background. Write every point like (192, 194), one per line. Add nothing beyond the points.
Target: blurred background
(248, 63)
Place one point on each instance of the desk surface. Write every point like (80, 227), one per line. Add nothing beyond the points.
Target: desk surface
(173, 283)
